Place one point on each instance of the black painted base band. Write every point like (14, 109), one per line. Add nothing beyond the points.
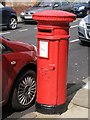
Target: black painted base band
(45, 109)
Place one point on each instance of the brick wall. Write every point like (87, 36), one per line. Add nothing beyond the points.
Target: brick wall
(21, 6)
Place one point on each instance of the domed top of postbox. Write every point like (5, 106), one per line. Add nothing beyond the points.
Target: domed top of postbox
(54, 15)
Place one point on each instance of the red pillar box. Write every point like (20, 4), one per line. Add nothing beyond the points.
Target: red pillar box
(53, 35)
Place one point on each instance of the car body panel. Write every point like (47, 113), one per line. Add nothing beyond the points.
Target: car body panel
(80, 8)
(84, 33)
(12, 62)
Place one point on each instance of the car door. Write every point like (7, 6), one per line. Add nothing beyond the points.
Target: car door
(4, 69)
(5, 16)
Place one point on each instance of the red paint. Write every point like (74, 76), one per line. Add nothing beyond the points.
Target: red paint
(53, 27)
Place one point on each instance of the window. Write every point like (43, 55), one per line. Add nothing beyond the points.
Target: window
(1, 48)
(1, 6)
(4, 49)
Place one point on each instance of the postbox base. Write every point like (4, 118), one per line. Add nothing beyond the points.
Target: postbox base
(45, 109)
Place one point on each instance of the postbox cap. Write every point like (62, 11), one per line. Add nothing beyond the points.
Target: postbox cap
(54, 15)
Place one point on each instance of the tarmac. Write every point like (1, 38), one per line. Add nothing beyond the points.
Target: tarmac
(78, 105)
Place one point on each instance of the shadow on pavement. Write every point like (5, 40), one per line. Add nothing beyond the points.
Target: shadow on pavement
(87, 44)
(72, 90)
(6, 111)
(9, 113)
(30, 23)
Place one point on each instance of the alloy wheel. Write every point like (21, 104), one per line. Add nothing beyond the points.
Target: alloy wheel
(26, 90)
(13, 23)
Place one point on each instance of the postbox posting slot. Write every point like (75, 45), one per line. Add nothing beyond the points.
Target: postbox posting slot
(44, 31)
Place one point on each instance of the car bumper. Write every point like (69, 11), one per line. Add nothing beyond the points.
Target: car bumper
(80, 13)
(26, 18)
(84, 34)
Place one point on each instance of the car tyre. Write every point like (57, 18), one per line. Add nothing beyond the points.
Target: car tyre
(12, 24)
(82, 42)
(26, 22)
(25, 90)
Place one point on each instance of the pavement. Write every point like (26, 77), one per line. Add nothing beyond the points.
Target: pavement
(78, 105)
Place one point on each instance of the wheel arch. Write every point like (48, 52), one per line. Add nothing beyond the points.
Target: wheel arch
(31, 66)
(12, 16)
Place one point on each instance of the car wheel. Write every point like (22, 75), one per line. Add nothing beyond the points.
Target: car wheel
(12, 24)
(24, 91)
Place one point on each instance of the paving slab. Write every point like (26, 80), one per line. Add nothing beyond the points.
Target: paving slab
(76, 112)
(73, 112)
(39, 115)
(82, 96)
(30, 115)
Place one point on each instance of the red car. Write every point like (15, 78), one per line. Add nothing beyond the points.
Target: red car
(17, 73)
